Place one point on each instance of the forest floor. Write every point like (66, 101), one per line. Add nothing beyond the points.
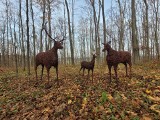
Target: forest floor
(77, 97)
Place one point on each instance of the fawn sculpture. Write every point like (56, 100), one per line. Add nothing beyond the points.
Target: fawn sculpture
(88, 65)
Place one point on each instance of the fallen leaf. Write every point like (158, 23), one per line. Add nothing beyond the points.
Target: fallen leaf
(146, 117)
(69, 101)
(132, 113)
(101, 108)
(84, 101)
(60, 108)
(148, 91)
(47, 110)
(153, 108)
(155, 99)
(95, 109)
(153, 81)
(110, 97)
(124, 97)
(72, 116)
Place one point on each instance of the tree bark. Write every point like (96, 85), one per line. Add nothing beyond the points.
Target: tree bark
(70, 34)
(96, 24)
(121, 29)
(15, 50)
(3, 46)
(156, 28)
(104, 22)
(73, 35)
(64, 27)
(43, 20)
(49, 24)
(135, 47)
(147, 30)
(7, 17)
(28, 45)
(22, 36)
(34, 33)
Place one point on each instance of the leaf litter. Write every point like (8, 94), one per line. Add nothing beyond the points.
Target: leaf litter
(77, 97)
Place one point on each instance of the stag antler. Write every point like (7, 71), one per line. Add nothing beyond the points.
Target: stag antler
(44, 27)
(64, 38)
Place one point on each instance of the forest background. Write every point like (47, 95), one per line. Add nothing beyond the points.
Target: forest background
(130, 25)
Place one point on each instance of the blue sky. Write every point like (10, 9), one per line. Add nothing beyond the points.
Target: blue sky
(106, 2)
(78, 9)
(78, 6)
(81, 3)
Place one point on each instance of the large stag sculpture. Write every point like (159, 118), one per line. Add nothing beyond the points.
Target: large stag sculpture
(49, 58)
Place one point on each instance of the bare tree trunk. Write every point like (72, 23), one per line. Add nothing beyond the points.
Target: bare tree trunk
(7, 17)
(64, 49)
(28, 45)
(15, 49)
(22, 36)
(12, 47)
(84, 45)
(95, 21)
(156, 28)
(96, 24)
(73, 36)
(104, 26)
(0, 60)
(135, 47)
(152, 41)
(86, 37)
(121, 29)
(91, 34)
(3, 46)
(43, 20)
(143, 38)
(104, 22)
(70, 34)
(147, 30)
(34, 33)
(49, 24)
(98, 34)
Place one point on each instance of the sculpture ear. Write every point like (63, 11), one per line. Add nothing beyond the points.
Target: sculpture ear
(109, 42)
